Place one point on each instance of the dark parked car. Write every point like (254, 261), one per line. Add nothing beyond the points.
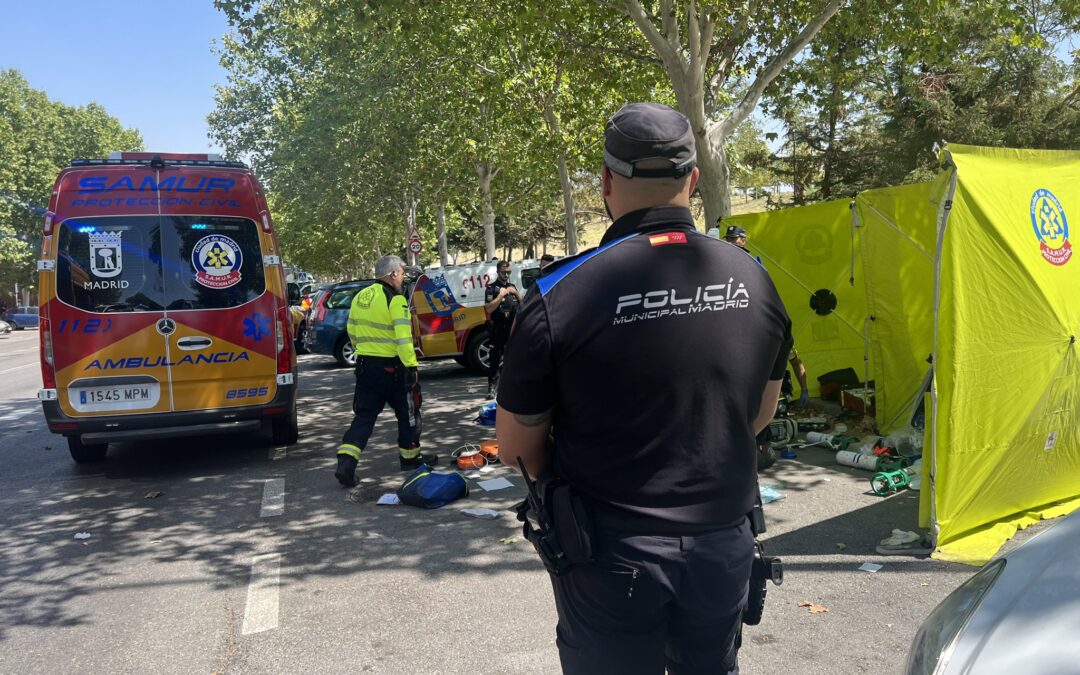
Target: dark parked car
(326, 323)
(22, 317)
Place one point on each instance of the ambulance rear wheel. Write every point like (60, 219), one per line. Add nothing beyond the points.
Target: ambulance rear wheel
(461, 360)
(86, 454)
(285, 429)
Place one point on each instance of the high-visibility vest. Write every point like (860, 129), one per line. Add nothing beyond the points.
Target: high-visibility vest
(379, 324)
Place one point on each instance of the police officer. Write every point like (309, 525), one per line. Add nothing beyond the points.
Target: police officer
(386, 370)
(737, 236)
(501, 300)
(655, 359)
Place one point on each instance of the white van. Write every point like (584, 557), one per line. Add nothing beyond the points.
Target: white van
(447, 305)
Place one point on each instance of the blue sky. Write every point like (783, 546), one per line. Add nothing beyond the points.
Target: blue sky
(149, 63)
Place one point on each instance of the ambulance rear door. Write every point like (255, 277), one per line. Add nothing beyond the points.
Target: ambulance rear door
(218, 292)
(105, 307)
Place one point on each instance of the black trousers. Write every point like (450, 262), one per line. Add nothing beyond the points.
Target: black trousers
(377, 385)
(652, 602)
(499, 335)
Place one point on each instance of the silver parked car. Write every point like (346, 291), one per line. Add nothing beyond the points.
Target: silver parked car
(5, 327)
(1018, 614)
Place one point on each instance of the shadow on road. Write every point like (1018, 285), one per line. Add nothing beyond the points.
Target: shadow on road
(208, 510)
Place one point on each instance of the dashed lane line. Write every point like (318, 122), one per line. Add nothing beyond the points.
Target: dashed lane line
(261, 610)
(25, 365)
(273, 501)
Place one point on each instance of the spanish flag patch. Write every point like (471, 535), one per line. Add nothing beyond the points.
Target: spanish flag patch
(667, 238)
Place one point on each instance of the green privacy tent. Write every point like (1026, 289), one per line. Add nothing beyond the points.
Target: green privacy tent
(973, 271)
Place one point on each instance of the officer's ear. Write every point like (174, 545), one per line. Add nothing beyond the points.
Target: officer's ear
(605, 181)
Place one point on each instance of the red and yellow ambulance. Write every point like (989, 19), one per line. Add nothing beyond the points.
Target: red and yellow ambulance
(163, 304)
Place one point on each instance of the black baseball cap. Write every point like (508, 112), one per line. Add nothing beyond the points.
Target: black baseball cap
(649, 131)
(734, 232)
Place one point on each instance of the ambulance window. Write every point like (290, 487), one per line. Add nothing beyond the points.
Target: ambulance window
(212, 262)
(110, 264)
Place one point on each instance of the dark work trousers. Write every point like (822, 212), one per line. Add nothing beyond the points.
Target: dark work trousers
(378, 384)
(500, 333)
(655, 601)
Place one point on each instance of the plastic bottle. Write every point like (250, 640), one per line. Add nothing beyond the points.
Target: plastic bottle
(857, 460)
(818, 437)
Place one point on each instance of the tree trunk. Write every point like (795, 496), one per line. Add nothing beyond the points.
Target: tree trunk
(569, 220)
(409, 211)
(715, 181)
(484, 175)
(440, 233)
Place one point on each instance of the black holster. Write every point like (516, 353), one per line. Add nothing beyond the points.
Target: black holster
(764, 569)
(556, 522)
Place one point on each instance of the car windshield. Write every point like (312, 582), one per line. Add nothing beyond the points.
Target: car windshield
(341, 298)
(150, 263)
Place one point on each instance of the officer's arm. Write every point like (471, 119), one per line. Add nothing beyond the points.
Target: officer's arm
(494, 302)
(767, 410)
(800, 371)
(403, 338)
(523, 436)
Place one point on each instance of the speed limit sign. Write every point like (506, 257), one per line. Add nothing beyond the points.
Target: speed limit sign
(415, 247)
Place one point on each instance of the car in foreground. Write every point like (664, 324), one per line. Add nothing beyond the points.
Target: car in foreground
(5, 327)
(325, 331)
(23, 317)
(1018, 614)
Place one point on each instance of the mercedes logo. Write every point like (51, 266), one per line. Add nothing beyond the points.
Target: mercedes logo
(166, 327)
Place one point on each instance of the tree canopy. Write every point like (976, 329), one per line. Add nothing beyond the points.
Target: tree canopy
(38, 137)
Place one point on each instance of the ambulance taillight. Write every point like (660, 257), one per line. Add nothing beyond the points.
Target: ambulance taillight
(283, 343)
(48, 371)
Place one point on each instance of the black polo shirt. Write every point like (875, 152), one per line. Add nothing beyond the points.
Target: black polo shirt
(506, 310)
(653, 349)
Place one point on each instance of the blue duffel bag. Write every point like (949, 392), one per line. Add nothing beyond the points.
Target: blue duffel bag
(430, 490)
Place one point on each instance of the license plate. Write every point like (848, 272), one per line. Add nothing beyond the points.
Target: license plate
(122, 397)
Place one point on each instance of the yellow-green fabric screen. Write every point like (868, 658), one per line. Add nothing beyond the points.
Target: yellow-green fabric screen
(1006, 418)
(897, 233)
(806, 249)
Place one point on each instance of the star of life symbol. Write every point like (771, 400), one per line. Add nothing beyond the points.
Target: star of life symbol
(1051, 227)
(105, 257)
(217, 260)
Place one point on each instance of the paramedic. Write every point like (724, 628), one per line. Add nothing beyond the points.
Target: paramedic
(386, 371)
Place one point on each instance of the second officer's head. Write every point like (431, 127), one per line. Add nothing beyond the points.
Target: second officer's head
(391, 269)
(649, 159)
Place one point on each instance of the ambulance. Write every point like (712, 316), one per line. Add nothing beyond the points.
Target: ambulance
(447, 307)
(163, 304)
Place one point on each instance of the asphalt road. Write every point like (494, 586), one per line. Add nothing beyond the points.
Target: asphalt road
(228, 555)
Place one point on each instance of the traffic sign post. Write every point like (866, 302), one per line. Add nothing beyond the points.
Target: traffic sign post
(413, 234)
(415, 246)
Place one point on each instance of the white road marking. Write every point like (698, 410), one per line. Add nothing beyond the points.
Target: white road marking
(25, 365)
(261, 611)
(20, 351)
(273, 502)
(19, 414)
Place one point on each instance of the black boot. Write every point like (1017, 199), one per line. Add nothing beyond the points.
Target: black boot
(346, 471)
(418, 461)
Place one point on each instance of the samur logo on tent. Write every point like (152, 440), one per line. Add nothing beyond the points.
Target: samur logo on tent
(1051, 227)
